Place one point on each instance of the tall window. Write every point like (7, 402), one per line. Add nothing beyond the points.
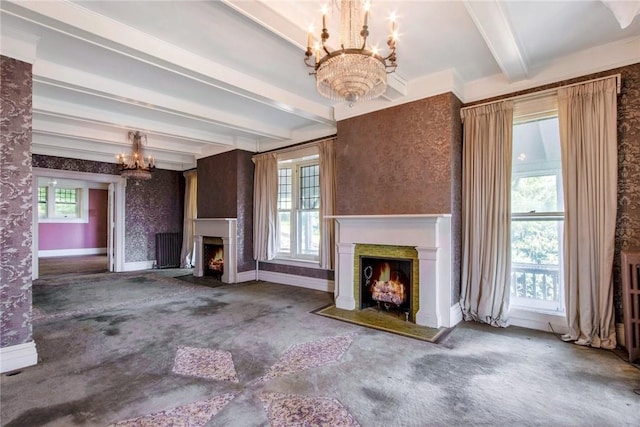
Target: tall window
(537, 215)
(298, 209)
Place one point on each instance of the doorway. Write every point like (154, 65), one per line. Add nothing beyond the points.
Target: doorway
(74, 210)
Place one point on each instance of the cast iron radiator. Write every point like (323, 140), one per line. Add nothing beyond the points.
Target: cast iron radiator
(168, 247)
(631, 302)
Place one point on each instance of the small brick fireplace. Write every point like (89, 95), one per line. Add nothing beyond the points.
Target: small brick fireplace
(212, 236)
(425, 239)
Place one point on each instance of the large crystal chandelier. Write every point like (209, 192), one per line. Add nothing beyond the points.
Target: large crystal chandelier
(355, 71)
(135, 166)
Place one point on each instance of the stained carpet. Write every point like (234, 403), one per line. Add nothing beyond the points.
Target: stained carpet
(145, 349)
(382, 320)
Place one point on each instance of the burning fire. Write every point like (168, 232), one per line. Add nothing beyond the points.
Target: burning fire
(388, 288)
(216, 262)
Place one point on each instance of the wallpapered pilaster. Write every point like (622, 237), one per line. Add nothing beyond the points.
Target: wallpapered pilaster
(16, 214)
(628, 219)
(230, 195)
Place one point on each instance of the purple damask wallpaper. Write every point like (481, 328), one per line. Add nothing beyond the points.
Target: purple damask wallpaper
(16, 215)
(154, 206)
(397, 160)
(225, 190)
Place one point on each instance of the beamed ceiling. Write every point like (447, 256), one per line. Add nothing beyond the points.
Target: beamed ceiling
(204, 77)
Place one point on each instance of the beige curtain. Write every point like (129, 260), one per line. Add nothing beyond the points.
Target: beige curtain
(327, 202)
(265, 207)
(188, 253)
(486, 213)
(587, 117)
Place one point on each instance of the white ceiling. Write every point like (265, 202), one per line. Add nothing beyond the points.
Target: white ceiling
(204, 77)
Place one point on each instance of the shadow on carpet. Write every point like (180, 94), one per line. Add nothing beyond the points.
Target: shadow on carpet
(203, 281)
(384, 321)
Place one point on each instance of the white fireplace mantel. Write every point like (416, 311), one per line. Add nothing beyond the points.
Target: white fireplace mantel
(226, 229)
(429, 234)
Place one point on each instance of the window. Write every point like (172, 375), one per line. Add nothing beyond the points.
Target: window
(537, 216)
(298, 208)
(62, 204)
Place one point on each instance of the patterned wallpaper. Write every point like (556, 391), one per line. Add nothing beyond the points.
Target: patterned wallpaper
(397, 160)
(16, 214)
(228, 193)
(628, 220)
(154, 206)
(404, 160)
(245, 211)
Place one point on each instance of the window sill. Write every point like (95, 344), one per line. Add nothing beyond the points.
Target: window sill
(63, 220)
(542, 320)
(296, 263)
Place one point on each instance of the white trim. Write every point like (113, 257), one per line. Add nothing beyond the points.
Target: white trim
(539, 321)
(118, 230)
(22, 47)
(50, 253)
(315, 265)
(18, 356)
(139, 265)
(455, 316)
(295, 280)
(247, 276)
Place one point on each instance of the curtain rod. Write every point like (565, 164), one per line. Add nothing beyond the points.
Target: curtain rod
(297, 146)
(618, 78)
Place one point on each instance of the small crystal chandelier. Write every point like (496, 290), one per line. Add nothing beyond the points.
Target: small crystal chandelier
(356, 71)
(135, 166)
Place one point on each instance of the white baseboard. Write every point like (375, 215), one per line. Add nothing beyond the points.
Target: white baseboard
(247, 276)
(455, 316)
(139, 265)
(18, 356)
(538, 321)
(295, 280)
(50, 253)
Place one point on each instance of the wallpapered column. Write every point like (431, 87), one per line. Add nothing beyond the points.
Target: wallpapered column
(16, 215)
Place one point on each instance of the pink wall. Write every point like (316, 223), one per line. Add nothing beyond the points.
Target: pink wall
(93, 234)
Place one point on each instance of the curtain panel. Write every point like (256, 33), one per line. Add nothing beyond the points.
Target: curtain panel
(587, 116)
(327, 202)
(188, 252)
(486, 212)
(265, 207)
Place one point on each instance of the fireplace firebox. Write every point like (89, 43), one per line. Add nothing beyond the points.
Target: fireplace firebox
(385, 283)
(213, 257)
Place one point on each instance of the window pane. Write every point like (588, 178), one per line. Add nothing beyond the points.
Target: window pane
(309, 232)
(310, 187)
(535, 193)
(536, 173)
(536, 274)
(42, 202)
(284, 188)
(66, 202)
(284, 219)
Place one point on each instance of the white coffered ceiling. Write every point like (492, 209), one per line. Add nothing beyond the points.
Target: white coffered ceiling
(204, 77)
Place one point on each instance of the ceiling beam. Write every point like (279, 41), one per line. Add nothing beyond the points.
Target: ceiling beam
(66, 78)
(493, 24)
(76, 21)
